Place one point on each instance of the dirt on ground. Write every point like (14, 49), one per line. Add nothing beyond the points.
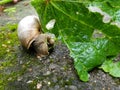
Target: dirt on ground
(54, 72)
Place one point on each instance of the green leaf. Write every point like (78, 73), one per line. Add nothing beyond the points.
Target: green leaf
(2, 2)
(82, 72)
(90, 54)
(75, 23)
(110, 8)
(113, 68)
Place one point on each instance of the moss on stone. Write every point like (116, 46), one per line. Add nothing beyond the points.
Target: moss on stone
(8, 38)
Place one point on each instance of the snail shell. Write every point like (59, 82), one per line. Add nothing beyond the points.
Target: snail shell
(28, 30)
(30, 35)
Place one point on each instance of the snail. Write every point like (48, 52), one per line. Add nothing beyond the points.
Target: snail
(31, 35)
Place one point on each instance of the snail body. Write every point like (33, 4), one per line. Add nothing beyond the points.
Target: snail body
(30, 34)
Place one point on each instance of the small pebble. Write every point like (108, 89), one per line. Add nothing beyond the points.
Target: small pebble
(30, 81)
(39, 85)
(30, 69)
(19, 78)
(49, 83)
(47, 73)
(72, 87)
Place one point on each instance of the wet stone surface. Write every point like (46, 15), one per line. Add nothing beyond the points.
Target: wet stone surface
(54, 72)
